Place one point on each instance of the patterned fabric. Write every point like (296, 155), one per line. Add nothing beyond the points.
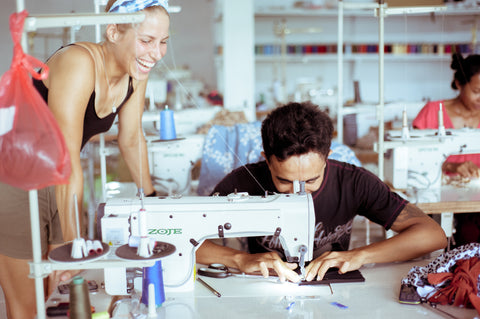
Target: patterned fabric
(227, 148)
(418, 276)
(343, 153)
(458, 287)
(129, 6)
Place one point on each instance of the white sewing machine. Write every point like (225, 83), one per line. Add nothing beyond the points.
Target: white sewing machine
(415, 160)
(186, 222)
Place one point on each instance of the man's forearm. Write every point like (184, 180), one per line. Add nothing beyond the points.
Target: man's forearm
(210, 252)
(411, 243)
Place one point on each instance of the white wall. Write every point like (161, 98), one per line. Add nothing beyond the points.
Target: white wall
(238, 56)
(191, 34)
(192, 45)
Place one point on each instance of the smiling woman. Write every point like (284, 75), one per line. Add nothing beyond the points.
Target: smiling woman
(89, 84)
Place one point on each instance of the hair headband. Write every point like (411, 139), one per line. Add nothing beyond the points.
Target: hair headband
(129, 6)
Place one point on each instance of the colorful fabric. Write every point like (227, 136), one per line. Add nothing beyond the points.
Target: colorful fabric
(451, 278)
(226, 148)
(460, 285)
(129, 6)
(418, 276)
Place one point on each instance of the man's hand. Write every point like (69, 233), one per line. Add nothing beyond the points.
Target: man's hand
(249, 263)
(345, 261)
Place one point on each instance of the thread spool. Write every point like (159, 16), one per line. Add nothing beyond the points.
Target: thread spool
(405, 132)
(90, 249)
(153, 275)
(134, 241)
(144, 247)
(441, 126)
(97, 245)
(152, 309)
(79, 248)
(79, 299)
(167, 125)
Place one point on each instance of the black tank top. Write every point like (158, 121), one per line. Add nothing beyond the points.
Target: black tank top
(92, 124)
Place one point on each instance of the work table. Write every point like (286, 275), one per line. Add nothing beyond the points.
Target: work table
(377, 297)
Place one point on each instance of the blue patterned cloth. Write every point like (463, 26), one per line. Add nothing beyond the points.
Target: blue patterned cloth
(226, 148)
(130, 6)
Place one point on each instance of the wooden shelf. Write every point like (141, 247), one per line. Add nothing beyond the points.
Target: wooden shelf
(306, 58)
(262, 12)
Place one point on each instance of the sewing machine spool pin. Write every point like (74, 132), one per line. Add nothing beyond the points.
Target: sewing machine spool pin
(220, 231)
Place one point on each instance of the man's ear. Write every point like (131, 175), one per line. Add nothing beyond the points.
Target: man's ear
(263, 154)
(112, 32)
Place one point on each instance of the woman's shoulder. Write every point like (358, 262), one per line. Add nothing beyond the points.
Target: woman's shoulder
(80, 53)
(74, 63)
(428, 115)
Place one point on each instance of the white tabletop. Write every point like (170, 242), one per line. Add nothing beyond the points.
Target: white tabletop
(377, 297)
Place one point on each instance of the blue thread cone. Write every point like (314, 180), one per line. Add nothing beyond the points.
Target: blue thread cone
(167, 125)
(153, 275)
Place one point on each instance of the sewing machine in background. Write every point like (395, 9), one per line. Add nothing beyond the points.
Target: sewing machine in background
(414, 158)
(417, 161)
(186, 222)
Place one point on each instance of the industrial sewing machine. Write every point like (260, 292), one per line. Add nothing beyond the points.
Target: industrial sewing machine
(415, 159)
(186, 222)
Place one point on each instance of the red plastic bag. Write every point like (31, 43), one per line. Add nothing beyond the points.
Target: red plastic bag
(33, 153)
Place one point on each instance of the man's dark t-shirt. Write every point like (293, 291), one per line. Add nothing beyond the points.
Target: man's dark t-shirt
(345, 192)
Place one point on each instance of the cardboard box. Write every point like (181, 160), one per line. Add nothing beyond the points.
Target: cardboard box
(414, 3)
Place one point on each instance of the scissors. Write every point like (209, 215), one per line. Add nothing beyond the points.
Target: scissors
(222, 271)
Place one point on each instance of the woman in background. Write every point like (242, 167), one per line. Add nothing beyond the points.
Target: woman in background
(88, 85)
(462, 111)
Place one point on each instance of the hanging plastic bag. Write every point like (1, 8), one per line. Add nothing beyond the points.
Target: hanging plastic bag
(33, 153)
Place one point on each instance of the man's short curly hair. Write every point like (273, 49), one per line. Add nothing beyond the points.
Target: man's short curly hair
(296, 129)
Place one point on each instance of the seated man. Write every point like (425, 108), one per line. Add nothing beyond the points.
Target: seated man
(296, 142)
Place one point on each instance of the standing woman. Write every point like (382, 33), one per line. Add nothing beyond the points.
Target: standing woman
(462, 111)
(88, 85)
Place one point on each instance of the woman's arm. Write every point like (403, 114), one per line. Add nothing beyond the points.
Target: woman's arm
(71, 82)
(464, 169)
(131, 140)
